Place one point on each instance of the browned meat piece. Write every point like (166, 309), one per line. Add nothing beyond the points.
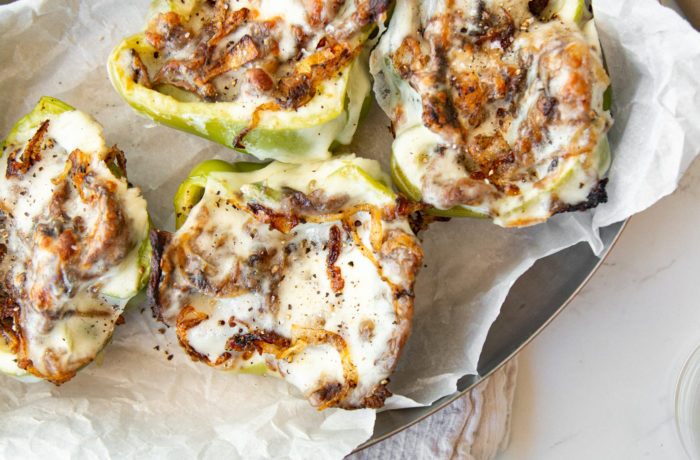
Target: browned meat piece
(30, 155)
(139, 70)
(166, 30)
(321, 12)
(236, 56)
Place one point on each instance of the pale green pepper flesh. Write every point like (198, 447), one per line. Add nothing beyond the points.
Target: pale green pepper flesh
(191, 190)
(413, 193)
(31, 121)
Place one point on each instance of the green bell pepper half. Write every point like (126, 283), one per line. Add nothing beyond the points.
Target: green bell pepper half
(570, 11)
(372, 182)
(293, 136)
(24, 129)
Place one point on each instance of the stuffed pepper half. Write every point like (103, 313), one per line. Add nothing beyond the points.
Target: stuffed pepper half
(280, 79)
(497, 107)
(74, 244)
(306, 272)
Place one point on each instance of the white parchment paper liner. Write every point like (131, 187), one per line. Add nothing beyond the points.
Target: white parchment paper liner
(137, 402)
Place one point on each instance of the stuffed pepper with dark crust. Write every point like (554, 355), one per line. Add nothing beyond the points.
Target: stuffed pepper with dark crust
(306, 272)
(497, 107)
(74, 246)
(284, 80)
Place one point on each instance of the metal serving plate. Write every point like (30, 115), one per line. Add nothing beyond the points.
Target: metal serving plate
(533, 302)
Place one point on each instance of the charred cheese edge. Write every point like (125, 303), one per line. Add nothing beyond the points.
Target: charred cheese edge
(509, 122)
(66, 275)
(307, 271)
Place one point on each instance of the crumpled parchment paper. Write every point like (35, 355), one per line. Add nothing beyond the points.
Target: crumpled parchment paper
(139, 402)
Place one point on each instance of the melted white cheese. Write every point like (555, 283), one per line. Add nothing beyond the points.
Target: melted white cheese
(344, 175)
(293, 13)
